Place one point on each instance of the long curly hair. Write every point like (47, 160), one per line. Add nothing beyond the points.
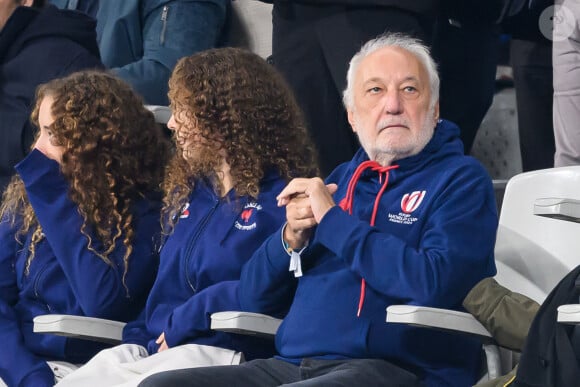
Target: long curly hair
(234, 105)
(114, 154)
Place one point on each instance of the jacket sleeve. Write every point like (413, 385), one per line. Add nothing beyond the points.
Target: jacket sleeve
(135, 332)
(171, 31)
(506, 314)
(17, 364)
(454, 252)
(97, 286)
(192, 318)
(266, 284)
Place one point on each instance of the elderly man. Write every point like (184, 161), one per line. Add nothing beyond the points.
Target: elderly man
(415, 224)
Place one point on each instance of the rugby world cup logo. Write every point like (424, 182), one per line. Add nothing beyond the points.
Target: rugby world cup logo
(410, 202)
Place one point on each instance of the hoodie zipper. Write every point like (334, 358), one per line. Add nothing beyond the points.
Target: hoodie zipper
(193, 243)
(164, 24)
(36, 281)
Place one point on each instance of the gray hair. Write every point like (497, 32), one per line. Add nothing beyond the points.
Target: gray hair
(405, 42)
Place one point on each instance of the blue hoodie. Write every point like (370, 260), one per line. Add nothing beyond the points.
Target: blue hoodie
(432, 242)
(65, 277)
(200, 265)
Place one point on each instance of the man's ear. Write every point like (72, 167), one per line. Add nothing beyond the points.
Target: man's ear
(436, 112)
(351, 120)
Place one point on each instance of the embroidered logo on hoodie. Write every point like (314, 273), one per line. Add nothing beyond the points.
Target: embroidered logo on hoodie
(409, 203)
(185, 211)
(247, 219)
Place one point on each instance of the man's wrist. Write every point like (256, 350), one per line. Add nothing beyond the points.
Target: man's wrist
(291, 244)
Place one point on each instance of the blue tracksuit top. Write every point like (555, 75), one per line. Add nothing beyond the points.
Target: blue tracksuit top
(65, 277)
(432, 242)
(200, 265)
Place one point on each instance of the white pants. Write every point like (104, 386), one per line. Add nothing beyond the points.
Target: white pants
(127, 364)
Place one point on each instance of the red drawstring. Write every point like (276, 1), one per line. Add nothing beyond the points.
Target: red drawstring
(346, 204)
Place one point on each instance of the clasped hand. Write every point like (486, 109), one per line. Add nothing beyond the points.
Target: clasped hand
(306, 201)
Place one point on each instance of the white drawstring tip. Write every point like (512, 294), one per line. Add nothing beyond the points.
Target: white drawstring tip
(295, 264)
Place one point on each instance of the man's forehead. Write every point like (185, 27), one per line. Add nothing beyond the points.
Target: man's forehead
(393, 63)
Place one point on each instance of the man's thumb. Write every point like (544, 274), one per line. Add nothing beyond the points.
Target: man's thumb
(331, 188)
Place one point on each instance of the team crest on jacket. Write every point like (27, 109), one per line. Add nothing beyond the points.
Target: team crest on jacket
(247, 219)
(185, 211)
(409, 203)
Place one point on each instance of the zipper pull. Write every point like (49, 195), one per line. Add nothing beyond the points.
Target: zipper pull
(164, 21)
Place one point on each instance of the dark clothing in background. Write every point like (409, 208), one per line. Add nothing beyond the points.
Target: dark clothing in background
(531, 61)
(36, 45)
(550, 355)
(314, 40)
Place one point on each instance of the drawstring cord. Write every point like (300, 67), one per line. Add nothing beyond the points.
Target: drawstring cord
(347, 204)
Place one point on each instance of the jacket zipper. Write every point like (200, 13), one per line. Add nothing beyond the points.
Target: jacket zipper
(164, 23)
(36, 281)
(192, 244)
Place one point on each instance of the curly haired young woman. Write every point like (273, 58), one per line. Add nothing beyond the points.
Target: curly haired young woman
(239, 139)
(79, 227)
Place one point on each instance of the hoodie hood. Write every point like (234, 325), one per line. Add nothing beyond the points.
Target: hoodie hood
(27, 24)
(444, 143)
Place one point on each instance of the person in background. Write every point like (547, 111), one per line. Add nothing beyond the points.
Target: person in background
(37, 43)
(531, 60)
(141, 40)
(409, 220)
(566, 80)
(240, 139)
(313, 40)
(79, 225)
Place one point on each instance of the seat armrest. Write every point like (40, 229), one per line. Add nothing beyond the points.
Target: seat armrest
(558, 208)
(443, 319)
(88, 328)
(245, 323)
(162, 113)
(569, 314)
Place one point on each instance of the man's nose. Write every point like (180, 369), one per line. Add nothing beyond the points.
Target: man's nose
(392, 101)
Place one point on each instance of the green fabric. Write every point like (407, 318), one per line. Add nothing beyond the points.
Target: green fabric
(506, 315)
(502, 381)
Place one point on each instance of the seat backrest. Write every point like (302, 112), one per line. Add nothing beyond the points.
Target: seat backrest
(162, 113)
(533, 253)
(250, 27)
(497, 144)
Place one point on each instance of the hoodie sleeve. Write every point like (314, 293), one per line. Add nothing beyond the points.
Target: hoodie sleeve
(454, 252)
(266, 284)
(192, 318)
(17, 364)
(97, 286)
(169, 32)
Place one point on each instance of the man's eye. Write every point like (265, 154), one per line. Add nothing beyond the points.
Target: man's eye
(409, 89)
(374, 90)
